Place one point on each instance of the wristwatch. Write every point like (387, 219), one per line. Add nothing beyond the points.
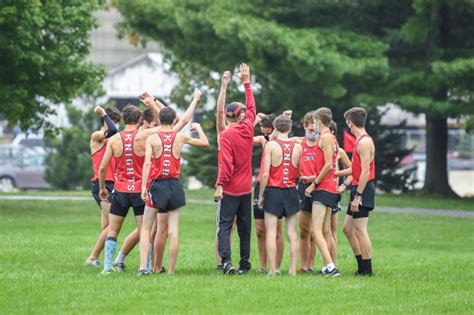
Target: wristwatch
(358, 194)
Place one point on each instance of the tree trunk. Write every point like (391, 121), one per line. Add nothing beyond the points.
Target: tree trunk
(436, 178)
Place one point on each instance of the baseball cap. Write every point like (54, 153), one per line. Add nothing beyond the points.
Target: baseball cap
(232, 110)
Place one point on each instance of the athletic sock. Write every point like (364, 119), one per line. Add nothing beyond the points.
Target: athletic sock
(110, 246)
(368, 266)
(359, 263)
(330, 267)
(120, 258)
(148, 261)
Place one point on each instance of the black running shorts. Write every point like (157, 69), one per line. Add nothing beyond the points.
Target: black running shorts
(95, 191)
(281, 202)
(258, 213)
(121, 202)
(306, 203)
(326, 198)
(167, 194)
(368, 201)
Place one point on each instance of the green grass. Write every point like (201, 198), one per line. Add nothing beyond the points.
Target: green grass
(383, 200)
(423, 264)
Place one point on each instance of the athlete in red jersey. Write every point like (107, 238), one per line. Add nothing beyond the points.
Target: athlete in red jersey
(343, 159)
(324, 188)
(123, 199)
(362, 190)
(150, 120)
(98, 143)
(307, 176)
(266, 128)
(278, 195)
(234, 181)
(166, 193)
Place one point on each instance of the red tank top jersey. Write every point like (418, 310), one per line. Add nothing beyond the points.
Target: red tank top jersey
(97, 159)
(284, 175)
(308, 159)
(166, 165)
(262, 161)
(129, 166)
(356, 165)
(329, 183)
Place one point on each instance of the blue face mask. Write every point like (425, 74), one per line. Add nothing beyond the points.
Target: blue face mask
(312, 137)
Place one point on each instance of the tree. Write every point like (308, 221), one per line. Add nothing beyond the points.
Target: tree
(69, 164)
(43, 51)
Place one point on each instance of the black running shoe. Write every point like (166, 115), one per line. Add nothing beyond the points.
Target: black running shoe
(220, 267)
(142, 273)
(228, 269)
(242, 272)
(332, 273)
(163, 270)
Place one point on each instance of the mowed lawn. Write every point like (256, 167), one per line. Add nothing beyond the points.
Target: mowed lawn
(423, 264)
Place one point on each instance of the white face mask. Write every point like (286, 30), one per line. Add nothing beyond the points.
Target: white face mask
(117, 126)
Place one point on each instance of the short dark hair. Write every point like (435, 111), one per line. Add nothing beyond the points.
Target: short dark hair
(167, 116)
(356, 115)
(267, 122)
(233, 111)
(333, 126)
(308, 118)
(114, 114)
(131, 115)
(324, 114)
(282, 123)
(150, 115)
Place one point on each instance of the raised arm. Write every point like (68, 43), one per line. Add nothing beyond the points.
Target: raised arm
(251, 111)
(220, 117)
(189, 112)
(151, 102)
(200, 142)
(111, 129)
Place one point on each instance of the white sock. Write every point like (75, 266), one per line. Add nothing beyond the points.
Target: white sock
(277, 270)
(330, 267)
(120, 258)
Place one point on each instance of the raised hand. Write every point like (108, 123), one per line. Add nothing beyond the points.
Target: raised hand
(226, 78)
(197, 94)
(146, 98)
(99, 111)
(288, 113)
(195, 126)
(244, 73)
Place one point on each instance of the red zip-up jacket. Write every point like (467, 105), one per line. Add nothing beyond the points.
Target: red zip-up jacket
(235, 154)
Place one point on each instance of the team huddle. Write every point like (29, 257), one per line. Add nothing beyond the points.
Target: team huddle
(299, 177)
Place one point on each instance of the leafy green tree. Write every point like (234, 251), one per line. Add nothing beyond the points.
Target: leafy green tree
(69, 164)
(43, 51)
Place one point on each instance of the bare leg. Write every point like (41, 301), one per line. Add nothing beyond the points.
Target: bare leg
(334, 219)
(148, 221)
(173, 224)
(262, 254)
(271, 222)
(327, 231)
(293, 239)
(304, 219)
(99, 245)
(153, 236)
(348, 230)
(130, 241)
(360, 229)
(160, 241)
(318, 216)
(312, 249)
(280, 246)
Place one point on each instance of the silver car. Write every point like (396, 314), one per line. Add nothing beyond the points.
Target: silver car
(25, 171)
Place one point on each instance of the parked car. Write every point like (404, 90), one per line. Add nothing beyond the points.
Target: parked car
(24, 172)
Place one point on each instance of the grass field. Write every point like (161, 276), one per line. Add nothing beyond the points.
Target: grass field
(423, 264)
(383, 200)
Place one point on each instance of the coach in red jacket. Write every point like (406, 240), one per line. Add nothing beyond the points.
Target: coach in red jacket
(234, 181)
